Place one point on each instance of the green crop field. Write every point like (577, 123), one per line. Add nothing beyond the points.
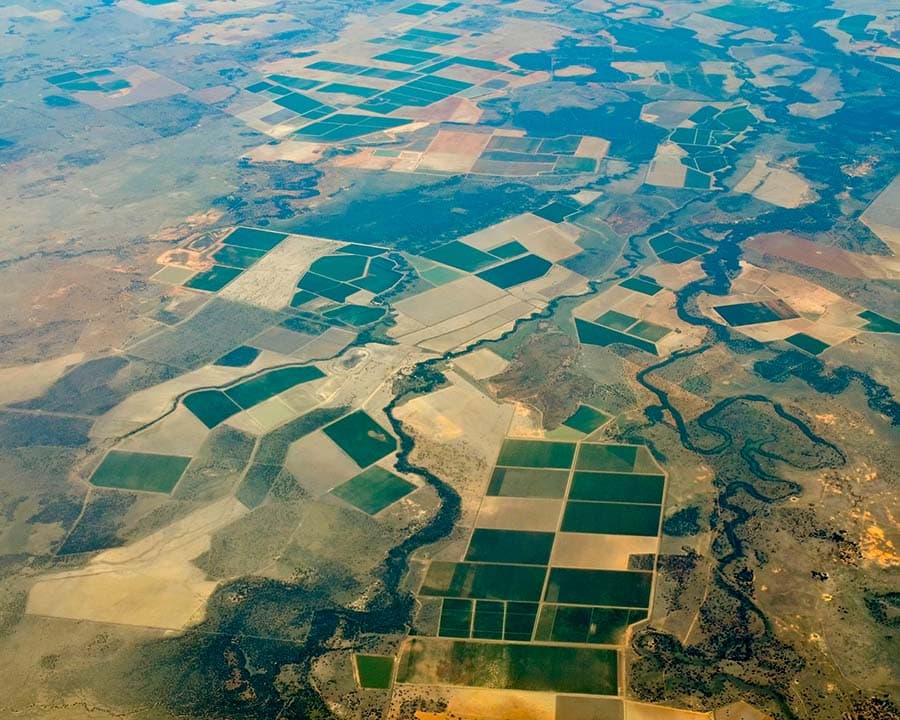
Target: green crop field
(592, 334)
(456, 618)
(356, 315)
(642, 286)
(239, 357)
(488, 621)
(374, 671)
(613, 458)
(545, 668)
(214, 279)
(508, 250)
(488, 581)
(262, 387)
(536, 454)
(611, 518)
(516, 272)
(586, 419)
(613, 588)
(210, 406)
(510, 546)
(616, 320)
(523, 482)
(139, 471)
(808, 343)
(461, 256)
(236, 256)
(373, 490)
(340, 267)
(254, 238)
(361, 438)
(649, 331)
(617, 487)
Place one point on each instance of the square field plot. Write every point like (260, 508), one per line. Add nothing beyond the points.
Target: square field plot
(254, 238)
(373, 490)
(456, 618)
(374, 671)
(536, 454)
(140, 471)
(361, 438)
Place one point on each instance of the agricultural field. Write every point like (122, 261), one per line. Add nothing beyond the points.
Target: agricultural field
(530, 360)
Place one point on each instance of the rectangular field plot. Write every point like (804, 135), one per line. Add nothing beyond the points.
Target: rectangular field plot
(586, 419)
(255, 390)
(548, 668)
(510, 546)
(526, 483)
(139, 471)
(235, 256)
(357, 315)
(374, 671)
(363, 439)
(879, 323)
(649, 331)
(211, 406)
(536, 454)
(609, 588)
(373, 490)
(591, 625)
(214, 279)
(488, 621)
(806, 342)
(592, 334)
(616, 320)
(346, 126)
(484, 581)
(640, 285)
(610, 518)
(461, 256)
(254, 238)
(456, 618)
(519, 621)
(617, 487)
(750, 313)
(609, 458)
(516, 272)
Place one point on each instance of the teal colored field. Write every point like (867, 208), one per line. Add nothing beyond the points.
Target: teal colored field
(617, 487)
(357, 315)
(363, 439)
(346, 126)
(340, 267)
(508, 250)
(295, 83)
(461, 256)
(608, 588)
(346, 89)
(405, 56)
(749, 313)
(365, 250)
(609, 458)
(879, 323)
(378, 279)
(210, 406)
(456, 618)
(517, 547)
(484, 581)
(808, 343)
(439, 275)
(616, 320)
(373, 490)
(214, 279)
(374, 671)
(557, 211)
(262, 387)
(523, 482)
(516, 272)
(254, 238)
(586, 419)
(641, 286)
(568, 164)
(649, 331)
(326, 287)
(536, 454)
(544, 668)
(611, 518)
(301, 297)
(591, 334)
(140, 471)
(239, 357)
(236, 256)
(488, 621)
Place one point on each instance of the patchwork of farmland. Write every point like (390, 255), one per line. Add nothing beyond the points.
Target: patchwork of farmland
(559, 564)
